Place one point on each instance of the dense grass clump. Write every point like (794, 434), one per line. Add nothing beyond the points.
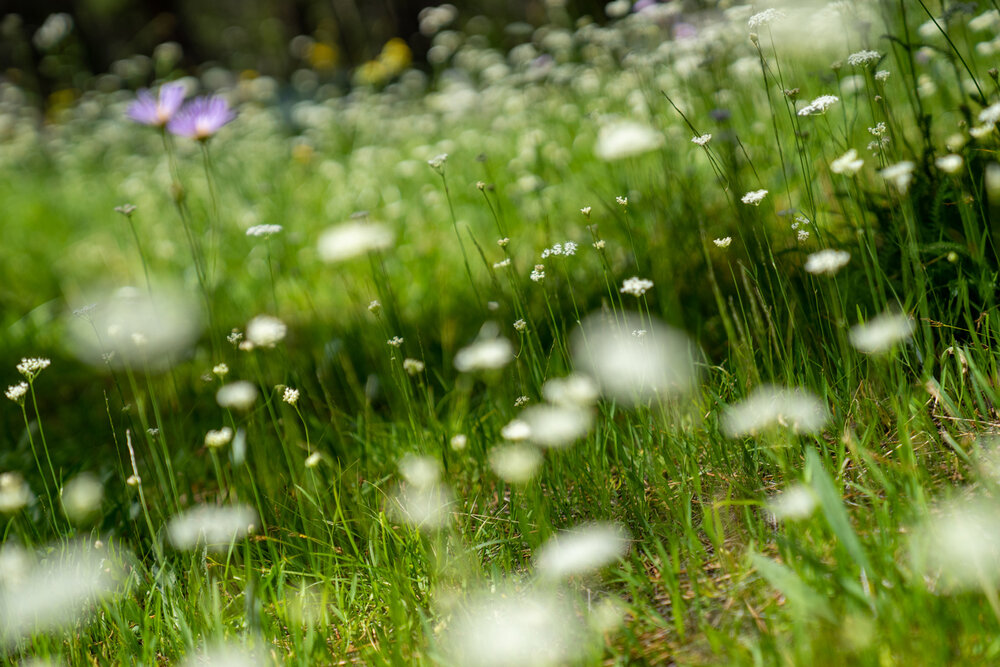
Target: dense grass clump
(661, 341)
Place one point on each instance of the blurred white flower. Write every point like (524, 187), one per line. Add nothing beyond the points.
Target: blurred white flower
(556, 426)
(488, 352)
(426, 507)
(224, 655)
(795, 503)
(239, 395)
(136, 328)
(769, 406)
(900, 175)
(44, 595)
(581, 550)
(702, 140)
(82, 496)
(215, 527)
(880, 333)
(459, 442)
(959, 541)
(827, 261)
(819, 105)
(517, 463)
(754, 197)
(266, 331)
(847, 164)
(636, 286)
(264, 231)
(421, 471)
(949, 164)
(516, 430)
(723, 242)
(351, 239)
(14, 492)
(502, 629)
(621, 139)
(218, 438)
(575, 389)
(632, 369)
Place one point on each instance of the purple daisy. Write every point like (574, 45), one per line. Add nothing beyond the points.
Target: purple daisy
(157, 111)
(201, 118)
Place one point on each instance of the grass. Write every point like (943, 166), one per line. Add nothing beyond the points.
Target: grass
(377, 533)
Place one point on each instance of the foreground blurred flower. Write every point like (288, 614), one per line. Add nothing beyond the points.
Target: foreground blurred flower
(960, 543)
(201, 118)
(46, 595)
(138, 327)
(14, 492)
(575, 389)
(266, 331)
(515, 464)
(224, 655)
(847, 164)
(501, 629)
(158, 111)
(900, 175)
(625, 139)
(82, 496)
(239, 395)
(556, 426)
(827, 261)
(488, 352)
(213, 527)
(581, 550)
(795, 503)
(769, 406)
(351, 239)
(633, 368)
(636, 286)
(880, 333)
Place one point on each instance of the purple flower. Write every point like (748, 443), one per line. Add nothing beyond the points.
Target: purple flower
(157, 112)
(201, 118)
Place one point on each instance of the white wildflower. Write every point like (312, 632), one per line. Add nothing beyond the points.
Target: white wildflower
(538, 273)
(264, 231)
(765, 18)
(770, 406)
(221, 370)
(724, 242)
(486, 353)
(31, 367)
(215, 527)
(626, 139)
(702, 140)
(636, 286)
(458, 442)
(863, 58)
(395, 341)
(949, 164)
(882, 75)
(516, 431)
(574, 390)
(351, 239)
(880, 333)
(520, 326)
(290, 396)
(847, 164)
(218, 438)
(900, 175)
(413, 366)
(517, 463)
(266, 331)
(14, 492)
(581, 550)
(754, 197)
(819, 105)
(795, 503)
(238, 395)
(17, 392)
(521, 401)
(502, 263)
(827, 261)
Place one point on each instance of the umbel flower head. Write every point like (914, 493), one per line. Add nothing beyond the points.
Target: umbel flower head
(158, 111)
(201, 118)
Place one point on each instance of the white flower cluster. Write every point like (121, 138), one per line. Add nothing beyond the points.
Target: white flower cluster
(702, 140)
(218, 438)
(290, 396)
(264, 231)
(31, 367)
(538, 273)
(568, 248)
(827, 261)
(819, 105)
(863, 58)
(764, 18)
(754, 197)
(413, 366)
(847, 164)
(723, 242)
(17, 392)
(636, 286)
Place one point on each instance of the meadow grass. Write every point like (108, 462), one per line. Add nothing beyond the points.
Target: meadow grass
(509, 369)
